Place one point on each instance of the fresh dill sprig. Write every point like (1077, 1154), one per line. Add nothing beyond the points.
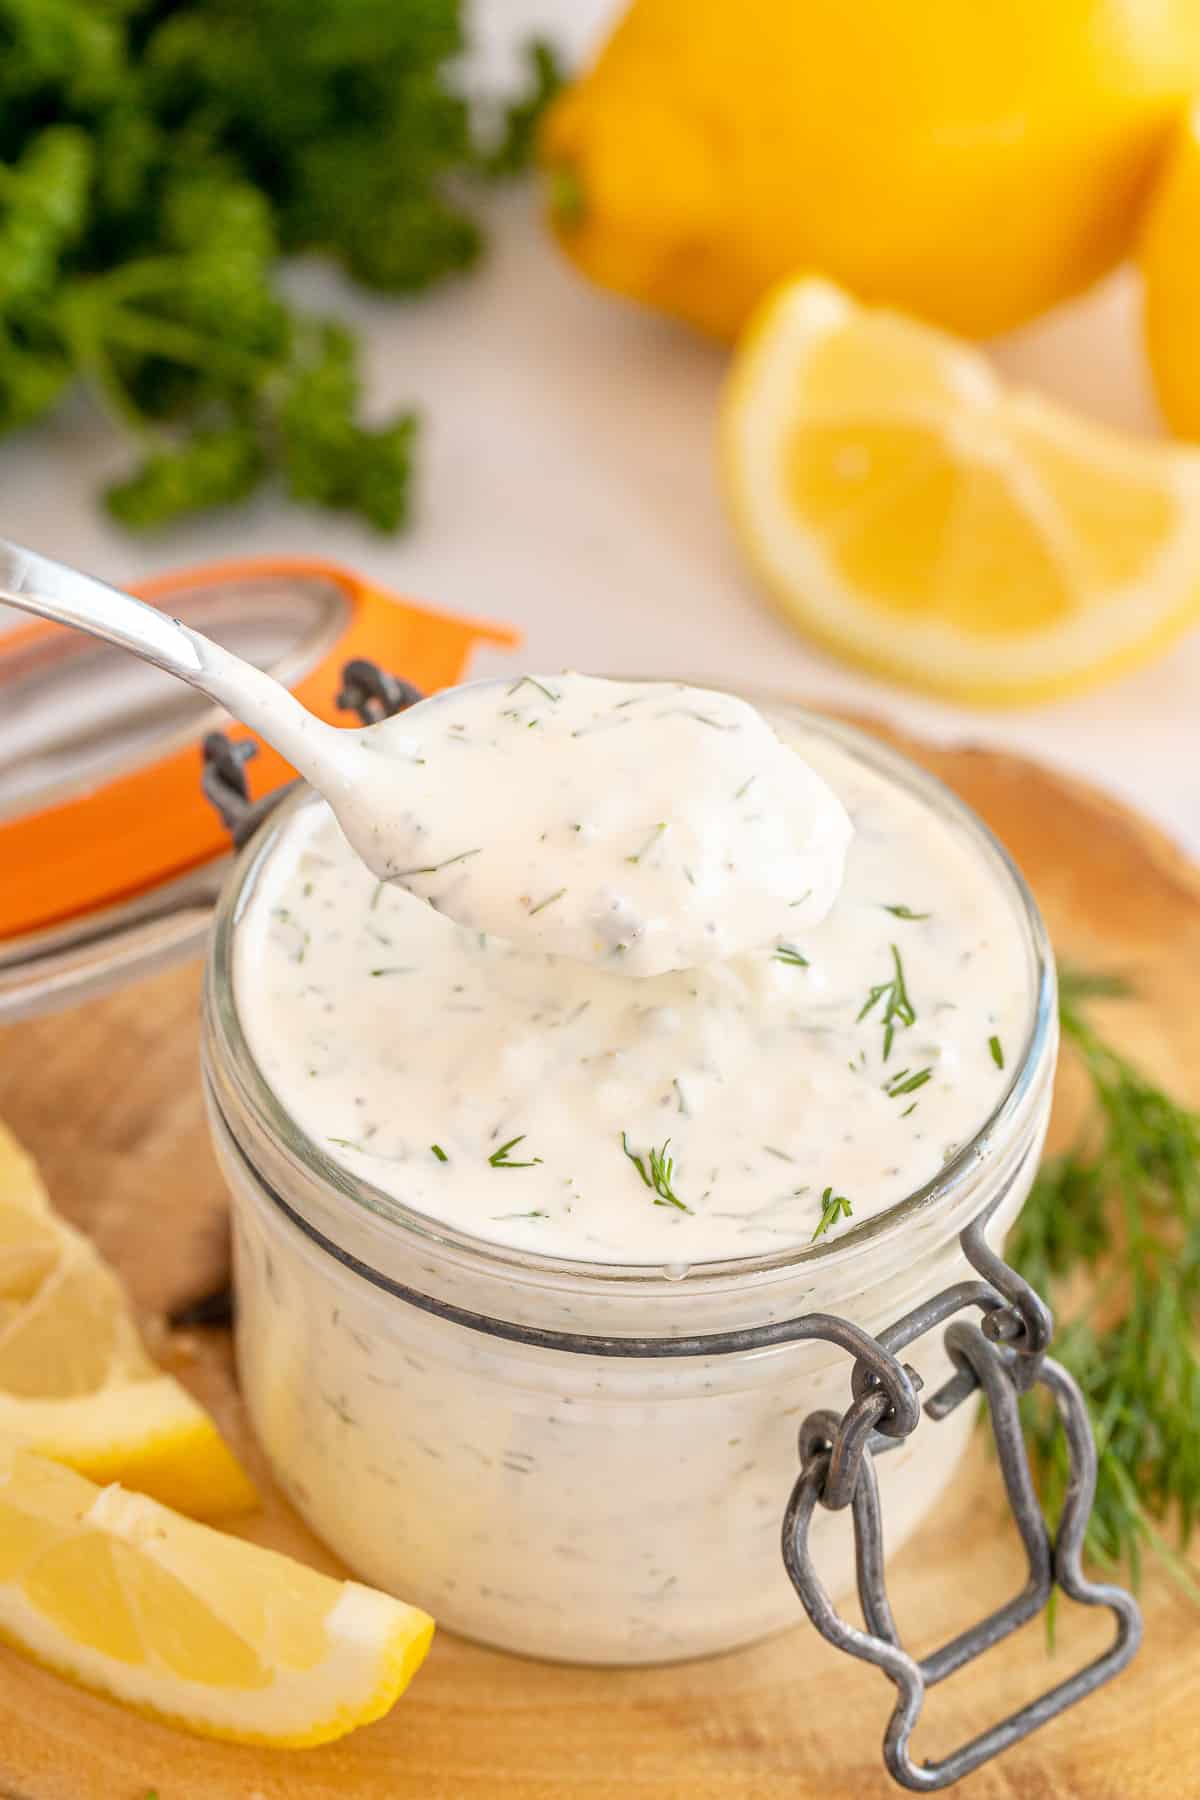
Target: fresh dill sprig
(787, 953)
(1076, 985)
(898, 1009)
(906, 912)
(500, 1159)
(1124, 1204)
(659, 1175)
(906, 1082)
(833, 1207)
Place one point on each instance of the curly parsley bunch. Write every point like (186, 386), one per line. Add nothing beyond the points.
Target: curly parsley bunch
(159, 157)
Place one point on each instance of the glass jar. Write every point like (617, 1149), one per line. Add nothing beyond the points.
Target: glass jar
(421, 1400)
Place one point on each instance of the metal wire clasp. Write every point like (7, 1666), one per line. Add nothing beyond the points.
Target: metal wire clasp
(1005, 1358)
(366, 690)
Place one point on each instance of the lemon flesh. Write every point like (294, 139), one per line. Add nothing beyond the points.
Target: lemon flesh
(914, 514)
(219, 1636)
(76, 1382)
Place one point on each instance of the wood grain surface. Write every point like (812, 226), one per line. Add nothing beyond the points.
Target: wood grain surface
(107, 1096)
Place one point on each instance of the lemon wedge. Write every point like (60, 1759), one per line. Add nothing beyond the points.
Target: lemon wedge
(914, 514)
(178, 1620)
(76, 1382)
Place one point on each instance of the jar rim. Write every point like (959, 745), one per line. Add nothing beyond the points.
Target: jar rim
(952, 1183)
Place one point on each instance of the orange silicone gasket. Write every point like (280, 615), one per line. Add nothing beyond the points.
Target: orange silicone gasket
(153, 823)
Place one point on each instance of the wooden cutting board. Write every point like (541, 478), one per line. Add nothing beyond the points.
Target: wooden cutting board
(108, 1098)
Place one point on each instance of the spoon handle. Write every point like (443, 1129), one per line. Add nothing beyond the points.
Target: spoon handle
(35, 584)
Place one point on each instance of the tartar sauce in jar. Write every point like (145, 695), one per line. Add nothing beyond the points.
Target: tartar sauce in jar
(782, 1095)
(446, 1150)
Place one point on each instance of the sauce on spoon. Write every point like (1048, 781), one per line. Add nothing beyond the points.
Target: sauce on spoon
(642, 826)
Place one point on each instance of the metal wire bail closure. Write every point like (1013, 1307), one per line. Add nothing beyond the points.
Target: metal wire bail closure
(1004, 1359)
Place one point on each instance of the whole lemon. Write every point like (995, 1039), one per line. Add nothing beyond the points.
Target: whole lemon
(1169, 254)
(971, 161)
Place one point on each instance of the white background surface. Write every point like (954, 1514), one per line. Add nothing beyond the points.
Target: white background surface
(567, 486)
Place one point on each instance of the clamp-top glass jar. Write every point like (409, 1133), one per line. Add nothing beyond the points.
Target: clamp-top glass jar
(444, 1413)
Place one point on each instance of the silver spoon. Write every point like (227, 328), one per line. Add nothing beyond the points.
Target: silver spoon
(330, 757)
(602, 825)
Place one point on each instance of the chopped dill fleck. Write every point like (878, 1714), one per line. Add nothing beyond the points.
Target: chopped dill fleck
(683, 1106)
(659, 1176)
(548, 901)
(833, 1207)
(806, 895)
(745, 787)
(500, 1159)
(604, 725)
(906, 912)
(377, 895)
(897, 1007)
(433, 868)
(997, 1050)
(439, 1153)
(691, 878)
(649, 843)
(392, 969)
(910, 1109)
(904, 1083)
(285, 918)
(781, 1154)
(687, 712)
(307, 889)
(526, 1215)
(787, 953)
(534, 682)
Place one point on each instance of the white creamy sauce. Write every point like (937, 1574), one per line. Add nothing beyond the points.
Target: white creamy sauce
(641, 826)
(727, 1110)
